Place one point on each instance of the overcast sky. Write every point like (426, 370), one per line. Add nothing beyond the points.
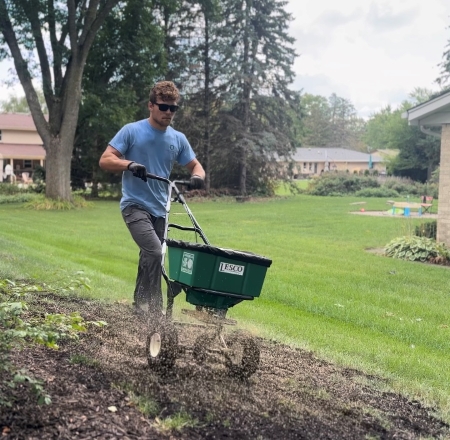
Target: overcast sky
(373, 53)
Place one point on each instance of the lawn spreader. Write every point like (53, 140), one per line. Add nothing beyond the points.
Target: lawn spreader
(213, 279)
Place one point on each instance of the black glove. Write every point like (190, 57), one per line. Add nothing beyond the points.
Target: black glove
(138, 170)
(196, 182)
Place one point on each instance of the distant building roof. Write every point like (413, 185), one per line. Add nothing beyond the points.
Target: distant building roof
(315, 154)
(22, 151)
(17, 121)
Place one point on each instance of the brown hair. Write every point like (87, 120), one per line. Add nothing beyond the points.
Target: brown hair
(165, 91)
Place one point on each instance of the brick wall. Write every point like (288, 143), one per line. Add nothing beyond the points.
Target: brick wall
(443, 229)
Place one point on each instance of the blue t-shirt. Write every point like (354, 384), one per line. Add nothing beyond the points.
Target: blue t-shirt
(156, 149)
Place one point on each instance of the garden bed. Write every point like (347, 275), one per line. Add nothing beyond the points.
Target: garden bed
(101, 387)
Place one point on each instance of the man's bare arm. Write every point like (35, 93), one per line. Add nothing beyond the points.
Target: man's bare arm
(195, 168)
(112, 160)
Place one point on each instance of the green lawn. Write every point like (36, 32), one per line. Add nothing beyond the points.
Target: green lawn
(324, 292)
(283, 189)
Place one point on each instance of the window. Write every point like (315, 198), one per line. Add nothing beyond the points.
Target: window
(0, 135)
(27, 163)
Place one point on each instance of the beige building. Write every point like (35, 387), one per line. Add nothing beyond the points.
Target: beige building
(21, 147)
(312, 161)
(433, 118)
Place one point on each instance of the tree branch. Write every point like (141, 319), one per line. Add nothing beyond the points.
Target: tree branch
(72, 26)
(31, 10)
(56, 47)
(89, 19)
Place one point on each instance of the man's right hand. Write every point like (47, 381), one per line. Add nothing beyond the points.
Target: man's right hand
(138, 170)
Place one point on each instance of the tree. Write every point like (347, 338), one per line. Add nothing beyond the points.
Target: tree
(316, 121)
(331, 122)
(444, 78)
(259, 69)
(71, 28)
(200, 79)
(122, 66)
(418, 152)
(346, 127)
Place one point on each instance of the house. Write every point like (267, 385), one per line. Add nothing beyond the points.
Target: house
(312, 161)
(20, 145)
(433, 118)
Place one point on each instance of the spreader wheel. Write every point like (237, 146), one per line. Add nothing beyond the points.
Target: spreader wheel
(242, 359)
(201, 345)
(162, 346)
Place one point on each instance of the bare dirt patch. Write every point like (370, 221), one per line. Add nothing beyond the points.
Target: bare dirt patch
(293, 395)
(388, 214)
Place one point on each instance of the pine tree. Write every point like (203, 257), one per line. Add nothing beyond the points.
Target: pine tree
(259, 70)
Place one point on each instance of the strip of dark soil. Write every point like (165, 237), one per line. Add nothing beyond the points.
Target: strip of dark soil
(98, 384)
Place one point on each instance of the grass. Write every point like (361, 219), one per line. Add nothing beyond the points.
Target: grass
(324, 291)
(283, 189)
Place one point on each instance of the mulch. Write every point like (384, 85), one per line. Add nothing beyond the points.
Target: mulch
(102, 388)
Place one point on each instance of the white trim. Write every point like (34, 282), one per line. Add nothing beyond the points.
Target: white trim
(438, 106)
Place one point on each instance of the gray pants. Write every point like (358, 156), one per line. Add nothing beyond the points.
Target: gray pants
(148, 233)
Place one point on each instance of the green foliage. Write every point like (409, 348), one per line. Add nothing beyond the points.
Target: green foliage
(175, 422)
(20, 327)
(331, 121)
(130, 34)
(444, 77)
(9, 189)
(336, 184)
(427, 229)
(14, 194)
(254, 124)
(404, 186)
(18, 198)
(382, 191)
(414, 248)
(41, 203)
(419, 154)
(147, 406)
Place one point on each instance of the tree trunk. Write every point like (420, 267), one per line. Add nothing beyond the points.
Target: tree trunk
(246, 103)
(57, 177)
(207, 109)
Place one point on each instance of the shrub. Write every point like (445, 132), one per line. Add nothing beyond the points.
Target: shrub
(41, 203)
(19, 327)
(377, 192)
(339, 184)
(415, 248)
(17, 198)
(405, 187)
(9, 189)
(428, 229)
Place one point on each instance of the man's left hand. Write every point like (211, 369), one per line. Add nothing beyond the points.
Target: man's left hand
(197, 182)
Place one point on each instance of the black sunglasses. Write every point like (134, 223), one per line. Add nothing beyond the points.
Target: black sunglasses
(165, 107)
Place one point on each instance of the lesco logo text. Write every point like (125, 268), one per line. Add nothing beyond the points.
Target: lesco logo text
(233, 269)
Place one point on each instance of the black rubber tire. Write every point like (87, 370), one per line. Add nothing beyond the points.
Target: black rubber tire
(248, 362)
(165, 335)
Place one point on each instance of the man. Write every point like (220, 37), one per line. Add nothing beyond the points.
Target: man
(150, 146)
